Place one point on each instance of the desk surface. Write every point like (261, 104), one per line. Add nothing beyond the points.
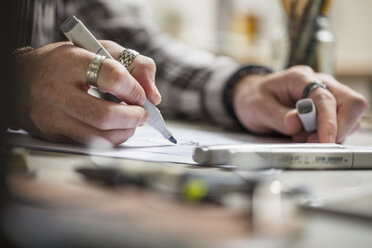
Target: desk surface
(164, 221)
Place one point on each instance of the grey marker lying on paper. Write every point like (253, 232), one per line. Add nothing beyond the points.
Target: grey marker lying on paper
(78, 34)
(332, 158)
(285, 156)
(218, 154)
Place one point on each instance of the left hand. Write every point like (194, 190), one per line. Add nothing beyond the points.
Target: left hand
(265, 104)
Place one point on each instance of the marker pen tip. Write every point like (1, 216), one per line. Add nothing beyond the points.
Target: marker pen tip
(172, 139)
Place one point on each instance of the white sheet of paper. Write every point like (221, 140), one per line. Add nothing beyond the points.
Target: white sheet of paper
(146, 144)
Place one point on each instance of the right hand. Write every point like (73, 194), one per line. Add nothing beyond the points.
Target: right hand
(50, 98)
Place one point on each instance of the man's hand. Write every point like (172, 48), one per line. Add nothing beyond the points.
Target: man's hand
(142, 69)
(51, 100)
(265, 104)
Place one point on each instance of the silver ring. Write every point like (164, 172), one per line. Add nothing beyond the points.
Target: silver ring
(127, 56)
(93, 69)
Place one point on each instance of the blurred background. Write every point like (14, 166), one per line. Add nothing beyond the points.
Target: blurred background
(255, 31)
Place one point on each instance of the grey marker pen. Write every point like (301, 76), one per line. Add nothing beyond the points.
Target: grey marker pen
(78, 34)
(307, 113)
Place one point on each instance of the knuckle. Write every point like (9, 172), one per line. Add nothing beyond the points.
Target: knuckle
(301, 72)
(149, 62)
(359, 103)
(112, 83)
(320, 95)
(326, 77)
(146, 63)
(115, 74)
(303, 68)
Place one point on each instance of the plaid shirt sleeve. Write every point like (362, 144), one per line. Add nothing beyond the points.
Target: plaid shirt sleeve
(191, 81)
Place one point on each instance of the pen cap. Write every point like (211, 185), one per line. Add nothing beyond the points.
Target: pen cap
(201, 155)
(362, 159)
(69, 24)
(307, 113)
(78, 34)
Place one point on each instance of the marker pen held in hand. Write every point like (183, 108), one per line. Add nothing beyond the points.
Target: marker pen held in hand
(80, 36)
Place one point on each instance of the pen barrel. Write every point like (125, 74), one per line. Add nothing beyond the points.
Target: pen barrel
(78, 34)
(218, 154)
(362, 158)
(289, 159)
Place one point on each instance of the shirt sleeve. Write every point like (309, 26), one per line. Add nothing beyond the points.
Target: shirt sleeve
(191, 81)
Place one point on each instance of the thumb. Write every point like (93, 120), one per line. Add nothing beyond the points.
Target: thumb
(275, 116)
